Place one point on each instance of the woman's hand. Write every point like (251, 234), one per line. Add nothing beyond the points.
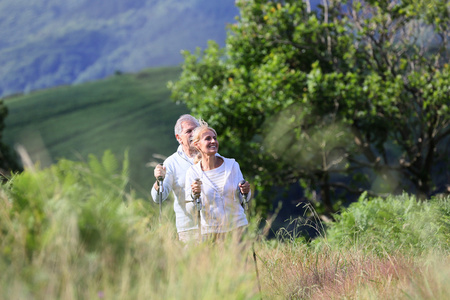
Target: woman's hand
(196, 187)
(245, 188)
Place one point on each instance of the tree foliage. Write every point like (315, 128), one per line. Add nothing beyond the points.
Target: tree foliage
(8, 162)
(351, 96)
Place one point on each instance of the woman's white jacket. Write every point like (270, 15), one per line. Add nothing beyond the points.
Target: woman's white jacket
(221, 212)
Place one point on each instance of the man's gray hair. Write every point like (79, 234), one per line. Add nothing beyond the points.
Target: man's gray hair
(184, 118)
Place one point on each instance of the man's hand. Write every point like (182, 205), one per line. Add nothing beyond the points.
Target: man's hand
(160, 171)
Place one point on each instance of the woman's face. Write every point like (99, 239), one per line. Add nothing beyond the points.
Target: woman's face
(208, 143)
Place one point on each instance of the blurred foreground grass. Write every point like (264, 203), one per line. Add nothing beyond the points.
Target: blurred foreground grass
(73, 231)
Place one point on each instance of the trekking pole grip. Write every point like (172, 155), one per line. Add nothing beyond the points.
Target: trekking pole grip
(197, 200)
(245, 202)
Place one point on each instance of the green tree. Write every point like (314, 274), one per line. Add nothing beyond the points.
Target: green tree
(350, 97)
(8, 161)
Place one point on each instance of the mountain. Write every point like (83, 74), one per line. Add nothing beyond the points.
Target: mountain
(45, 43)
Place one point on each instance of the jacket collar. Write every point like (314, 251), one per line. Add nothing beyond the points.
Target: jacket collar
(184, 155)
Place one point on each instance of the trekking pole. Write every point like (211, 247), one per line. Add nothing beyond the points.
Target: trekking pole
(160, 180)
(198, 205)
(245, 205)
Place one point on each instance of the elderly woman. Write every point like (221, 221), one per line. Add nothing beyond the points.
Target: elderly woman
(220, 186)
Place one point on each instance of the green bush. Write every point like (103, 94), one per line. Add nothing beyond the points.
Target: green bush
(397, 223)
(41, 203)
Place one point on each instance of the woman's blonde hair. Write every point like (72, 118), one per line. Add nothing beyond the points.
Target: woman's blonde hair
(196, 135)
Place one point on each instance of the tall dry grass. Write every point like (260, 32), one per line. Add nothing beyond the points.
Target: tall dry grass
(73, 232)
(155, 265)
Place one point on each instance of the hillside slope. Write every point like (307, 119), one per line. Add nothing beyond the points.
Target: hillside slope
(45, 43)
(127, 111)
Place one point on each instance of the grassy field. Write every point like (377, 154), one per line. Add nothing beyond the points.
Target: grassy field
(72, 231)
(126, 111)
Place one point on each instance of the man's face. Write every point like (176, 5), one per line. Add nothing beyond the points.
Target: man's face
(184, 137)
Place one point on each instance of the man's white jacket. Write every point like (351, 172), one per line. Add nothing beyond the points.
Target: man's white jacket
(176, 166)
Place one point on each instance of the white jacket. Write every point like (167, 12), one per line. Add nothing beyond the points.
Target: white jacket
(176, 166)
(221, 212)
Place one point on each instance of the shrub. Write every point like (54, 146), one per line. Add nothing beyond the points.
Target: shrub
(42, 203)
(392, 224)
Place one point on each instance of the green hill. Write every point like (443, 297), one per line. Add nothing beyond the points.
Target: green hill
(126, 111)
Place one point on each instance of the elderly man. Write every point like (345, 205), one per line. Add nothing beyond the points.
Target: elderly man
(174, 171)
